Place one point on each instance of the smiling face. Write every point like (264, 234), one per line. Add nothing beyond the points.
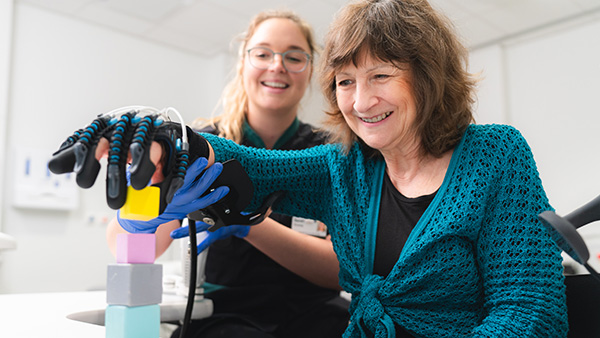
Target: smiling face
(275, 90)
(377, 101)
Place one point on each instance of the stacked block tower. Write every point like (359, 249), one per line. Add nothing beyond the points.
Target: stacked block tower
(134, 289)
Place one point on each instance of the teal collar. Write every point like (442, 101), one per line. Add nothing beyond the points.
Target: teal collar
(373, 215)
(253, 137)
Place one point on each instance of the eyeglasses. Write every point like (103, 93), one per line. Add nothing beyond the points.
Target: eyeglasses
(294, 61)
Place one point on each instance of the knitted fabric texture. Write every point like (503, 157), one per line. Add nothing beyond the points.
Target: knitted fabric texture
(477, 264)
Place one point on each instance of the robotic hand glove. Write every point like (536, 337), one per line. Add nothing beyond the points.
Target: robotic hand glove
(190, 197)
(239, 231)
(130, 135)
(127, 135)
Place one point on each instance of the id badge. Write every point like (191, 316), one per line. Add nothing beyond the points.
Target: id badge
(309, 227)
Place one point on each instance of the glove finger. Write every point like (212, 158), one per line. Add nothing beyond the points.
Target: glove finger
(194, 188)
(208, 178)
(193, 171)
(241, 231)
(208, 241)
(180, 232)
(209, 199)
(135, 226)
(185, 231)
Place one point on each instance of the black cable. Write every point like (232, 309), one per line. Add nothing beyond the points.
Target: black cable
(192, 287)
(592, 272)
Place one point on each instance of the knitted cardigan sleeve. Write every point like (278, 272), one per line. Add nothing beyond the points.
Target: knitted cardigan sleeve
(523, 285)
(302, 174)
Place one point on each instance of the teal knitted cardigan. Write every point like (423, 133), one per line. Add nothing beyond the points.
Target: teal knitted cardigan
(477, 264)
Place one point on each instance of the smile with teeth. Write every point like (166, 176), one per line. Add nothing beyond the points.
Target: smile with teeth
(275, 84)
(376, 118)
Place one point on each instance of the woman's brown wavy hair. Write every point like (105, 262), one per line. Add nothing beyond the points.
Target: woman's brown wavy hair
(403, 32)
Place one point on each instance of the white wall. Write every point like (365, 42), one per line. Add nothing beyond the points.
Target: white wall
(6, 25)
(63, 73)
(487, 64)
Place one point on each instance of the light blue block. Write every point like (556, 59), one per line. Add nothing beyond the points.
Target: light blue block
(132, 322)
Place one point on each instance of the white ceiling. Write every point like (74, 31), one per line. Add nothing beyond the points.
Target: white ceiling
(206, 27)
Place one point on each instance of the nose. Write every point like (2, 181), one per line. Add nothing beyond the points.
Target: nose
(364, 98)
(277, 64)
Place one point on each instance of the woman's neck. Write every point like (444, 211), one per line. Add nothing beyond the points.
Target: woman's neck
(416, 174)
(270, 126)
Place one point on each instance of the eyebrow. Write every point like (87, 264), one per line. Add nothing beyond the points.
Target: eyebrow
(368, 70)
(291, 47)
(377, 67)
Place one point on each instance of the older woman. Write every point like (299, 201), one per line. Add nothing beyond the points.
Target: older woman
(433, 218)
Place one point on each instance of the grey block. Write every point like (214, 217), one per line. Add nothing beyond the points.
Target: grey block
(134, 284)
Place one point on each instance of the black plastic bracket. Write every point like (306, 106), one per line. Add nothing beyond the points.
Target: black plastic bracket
(228, 211)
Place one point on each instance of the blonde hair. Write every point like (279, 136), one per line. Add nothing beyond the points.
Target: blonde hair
(234, 99)
(403, 32)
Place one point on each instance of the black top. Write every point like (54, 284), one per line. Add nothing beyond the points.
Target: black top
(256, 286)
(398, 215)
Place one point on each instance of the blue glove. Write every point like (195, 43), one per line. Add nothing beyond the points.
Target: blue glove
(186, 200)
(239, 231)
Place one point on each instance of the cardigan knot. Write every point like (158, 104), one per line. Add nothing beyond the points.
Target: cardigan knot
(369, 303)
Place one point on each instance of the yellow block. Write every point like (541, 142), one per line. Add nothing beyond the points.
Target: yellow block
(141, 205)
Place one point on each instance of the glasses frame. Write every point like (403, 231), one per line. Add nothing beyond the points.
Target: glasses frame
(282, 58)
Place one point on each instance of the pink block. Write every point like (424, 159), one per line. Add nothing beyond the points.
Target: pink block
(136, 248)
